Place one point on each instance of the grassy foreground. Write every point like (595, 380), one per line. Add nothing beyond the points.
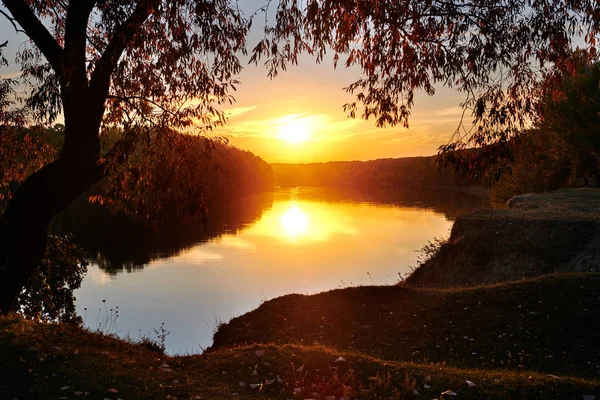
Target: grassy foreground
(548, 324)
(47, 361)
(532, 339)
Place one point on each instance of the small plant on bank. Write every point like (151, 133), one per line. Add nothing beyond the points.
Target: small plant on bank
(429, 251)
(158, 342)
(106, 321)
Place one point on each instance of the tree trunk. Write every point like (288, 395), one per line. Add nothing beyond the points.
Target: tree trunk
(24, 225)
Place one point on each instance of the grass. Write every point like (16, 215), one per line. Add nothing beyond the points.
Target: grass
(47, 361)
(548, 325)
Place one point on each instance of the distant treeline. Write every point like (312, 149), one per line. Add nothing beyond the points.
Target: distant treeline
(410, 171)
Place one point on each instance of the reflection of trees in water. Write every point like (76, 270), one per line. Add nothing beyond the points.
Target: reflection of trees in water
(118, 243)
(449, 201)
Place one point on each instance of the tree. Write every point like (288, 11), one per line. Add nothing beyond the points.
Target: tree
(570, 106)
(564, 141)
(151, 62)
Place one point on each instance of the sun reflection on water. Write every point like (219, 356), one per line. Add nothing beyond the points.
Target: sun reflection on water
(300, 222)
(294, 223)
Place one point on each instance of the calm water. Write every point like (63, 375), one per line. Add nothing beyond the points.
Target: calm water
(299, 240)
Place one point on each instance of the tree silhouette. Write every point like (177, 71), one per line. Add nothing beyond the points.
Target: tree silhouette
(149, 63)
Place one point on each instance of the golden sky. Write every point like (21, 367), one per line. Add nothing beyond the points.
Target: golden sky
(298, 117)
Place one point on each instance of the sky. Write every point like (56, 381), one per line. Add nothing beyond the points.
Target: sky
(298, 116)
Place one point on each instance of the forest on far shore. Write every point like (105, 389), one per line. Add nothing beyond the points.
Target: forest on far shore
(409, 171)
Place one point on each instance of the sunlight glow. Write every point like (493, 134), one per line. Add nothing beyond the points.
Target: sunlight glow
(302, 222)
(294, 222)
(294, 131)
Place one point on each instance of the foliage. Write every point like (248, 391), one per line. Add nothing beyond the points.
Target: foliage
(170, 178)
(154, 55)
(570, 108)
(23, 151)
(49, 293)
(564, 143)
(541, 162)
(164, 179)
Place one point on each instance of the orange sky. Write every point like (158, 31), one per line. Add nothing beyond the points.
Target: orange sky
(305, 102)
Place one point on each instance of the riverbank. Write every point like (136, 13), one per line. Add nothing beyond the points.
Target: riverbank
(537, 234)
(531, 338)
(46, 361)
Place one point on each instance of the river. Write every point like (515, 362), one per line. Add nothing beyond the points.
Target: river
(290, 240)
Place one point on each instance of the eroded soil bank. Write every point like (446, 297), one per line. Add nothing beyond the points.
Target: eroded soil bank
(539, 234)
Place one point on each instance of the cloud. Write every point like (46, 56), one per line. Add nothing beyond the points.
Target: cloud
(319, 126)
(234, 112)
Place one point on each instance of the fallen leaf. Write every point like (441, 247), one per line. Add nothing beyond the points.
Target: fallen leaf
(471, 384)
(449, 393)
(340, 359)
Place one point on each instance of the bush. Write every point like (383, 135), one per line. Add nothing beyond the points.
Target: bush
(49, 292)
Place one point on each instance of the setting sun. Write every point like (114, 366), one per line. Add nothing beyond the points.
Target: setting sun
(294, 131)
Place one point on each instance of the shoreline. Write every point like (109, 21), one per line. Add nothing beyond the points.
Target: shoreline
(518, 338)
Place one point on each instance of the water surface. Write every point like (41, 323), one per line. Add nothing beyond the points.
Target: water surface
(300, 240)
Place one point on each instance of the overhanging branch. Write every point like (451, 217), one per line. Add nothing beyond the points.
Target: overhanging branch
(37, 32)
(123, 35)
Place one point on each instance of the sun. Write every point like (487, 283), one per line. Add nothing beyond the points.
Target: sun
(294, 131)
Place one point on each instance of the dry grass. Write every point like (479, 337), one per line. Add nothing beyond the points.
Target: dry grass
(45, 361)
(545, 324)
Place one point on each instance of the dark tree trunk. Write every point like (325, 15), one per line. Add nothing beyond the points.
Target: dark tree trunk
(24, 224)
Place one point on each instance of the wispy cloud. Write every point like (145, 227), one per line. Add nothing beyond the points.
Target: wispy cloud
(234, 112)
(318, 126)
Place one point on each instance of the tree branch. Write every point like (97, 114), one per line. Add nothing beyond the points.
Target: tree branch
(123, 35)
(37, 32)
(78, 13)
(12, 21)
